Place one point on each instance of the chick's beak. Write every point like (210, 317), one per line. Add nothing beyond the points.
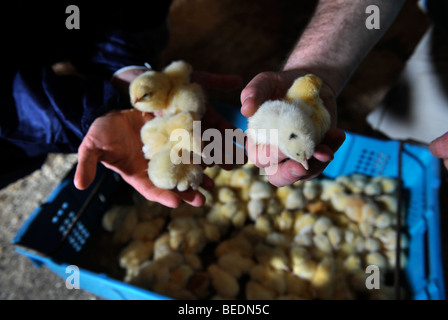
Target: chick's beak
(136, 100)
(304, 163)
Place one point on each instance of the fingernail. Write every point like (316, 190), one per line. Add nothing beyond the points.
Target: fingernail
(295, 173)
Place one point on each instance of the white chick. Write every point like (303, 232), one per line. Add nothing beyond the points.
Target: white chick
(300, 121)
(295, 200)
(311, 189)
(383, 220)
(255, 208)
(334, 236)
(372, 188)
(304, 223)
(322, 243)
(322, 224)
(303, 239)
(260, 190)
(278, 239)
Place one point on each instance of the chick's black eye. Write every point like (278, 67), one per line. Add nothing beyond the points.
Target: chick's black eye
(292, 136)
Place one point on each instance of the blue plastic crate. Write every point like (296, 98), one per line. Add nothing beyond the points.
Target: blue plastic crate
(56, 232)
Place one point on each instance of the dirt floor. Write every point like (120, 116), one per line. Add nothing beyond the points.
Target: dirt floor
(242, 37)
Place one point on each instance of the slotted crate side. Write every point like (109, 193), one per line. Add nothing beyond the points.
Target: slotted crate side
(60, 227)
(421, 182)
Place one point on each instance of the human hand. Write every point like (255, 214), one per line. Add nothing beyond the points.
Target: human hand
(121, 150)
(114, 140)
(213, 120)
(439, 148)
(281, 171)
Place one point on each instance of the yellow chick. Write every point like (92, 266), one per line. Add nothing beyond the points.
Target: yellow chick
(322, 282)
(168, 91)
(274, 257)
(162, 246)
(176, 130)
(295, 124)
(114, 217)
(199, 285)
(135, 253)
(255, 291)
(297, 286)
(235, 264)
(124, 231)
(236, 244)
(167, 175)
(224, 283)
(148, 230)
(173, 290)
(263, 225)
(269, 278)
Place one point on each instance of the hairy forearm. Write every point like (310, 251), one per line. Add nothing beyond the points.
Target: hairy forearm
(336, 39)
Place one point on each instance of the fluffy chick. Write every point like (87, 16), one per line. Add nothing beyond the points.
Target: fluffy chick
(176, 130)
(168, 91)
(167, 175)
(300, 120)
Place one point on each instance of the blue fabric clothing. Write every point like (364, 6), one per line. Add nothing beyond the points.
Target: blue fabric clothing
(42, 112)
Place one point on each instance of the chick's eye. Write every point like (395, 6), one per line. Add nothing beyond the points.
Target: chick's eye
(292, 136)
(147, 95)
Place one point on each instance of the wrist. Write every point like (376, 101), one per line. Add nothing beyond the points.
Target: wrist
(334, 75)
(124, 76)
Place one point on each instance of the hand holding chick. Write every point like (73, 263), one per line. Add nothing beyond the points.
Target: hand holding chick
(274, 86)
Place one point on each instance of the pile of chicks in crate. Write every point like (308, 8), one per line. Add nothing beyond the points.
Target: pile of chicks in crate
(309, 240)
